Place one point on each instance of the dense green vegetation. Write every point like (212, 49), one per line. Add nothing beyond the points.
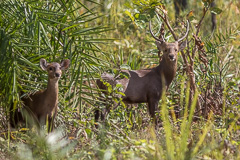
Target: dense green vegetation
(199, 113)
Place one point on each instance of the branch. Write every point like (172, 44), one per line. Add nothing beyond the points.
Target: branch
(201, 20)
(165, 19)
(205, 9)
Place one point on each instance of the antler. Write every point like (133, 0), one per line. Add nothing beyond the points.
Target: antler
(165, 19)
(153, 34)
(179, 40)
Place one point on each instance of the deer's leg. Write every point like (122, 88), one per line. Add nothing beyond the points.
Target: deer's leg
(15, 117)
(50, 124)
(51, 120)
(97, 114)
(104, 113)
(152, 106)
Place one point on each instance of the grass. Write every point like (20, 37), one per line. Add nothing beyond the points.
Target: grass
(99, 37)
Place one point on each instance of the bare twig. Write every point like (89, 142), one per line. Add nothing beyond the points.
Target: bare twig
(165, 19)
(201, 20)
(198, 29)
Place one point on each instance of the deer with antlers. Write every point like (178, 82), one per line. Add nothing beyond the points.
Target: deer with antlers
(147, 85)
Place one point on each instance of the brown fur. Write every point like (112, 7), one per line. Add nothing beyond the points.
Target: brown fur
(146, 86)
(42, 105)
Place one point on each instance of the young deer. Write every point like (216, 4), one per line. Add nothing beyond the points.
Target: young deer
(146, 85)
(42, 105)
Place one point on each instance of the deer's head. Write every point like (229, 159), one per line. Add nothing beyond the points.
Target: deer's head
(54, 69)
(170, 50)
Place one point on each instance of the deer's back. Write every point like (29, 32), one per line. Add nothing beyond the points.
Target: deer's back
(140, 85)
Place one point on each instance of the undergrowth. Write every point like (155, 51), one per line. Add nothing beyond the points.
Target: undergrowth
(110, 35)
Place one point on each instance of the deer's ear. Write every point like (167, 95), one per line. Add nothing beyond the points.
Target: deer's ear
(43, 64)
(182, 45)
(65, 64)
(160, 45)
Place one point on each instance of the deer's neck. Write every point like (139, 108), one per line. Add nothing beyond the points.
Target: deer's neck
(167, 70)
(52, 92)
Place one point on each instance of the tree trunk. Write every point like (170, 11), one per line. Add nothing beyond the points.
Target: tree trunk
(214, 19)
(179, 5)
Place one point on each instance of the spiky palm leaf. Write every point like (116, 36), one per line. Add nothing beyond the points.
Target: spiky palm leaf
(55, 30)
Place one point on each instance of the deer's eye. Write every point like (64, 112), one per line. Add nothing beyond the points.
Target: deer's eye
(175, 50)
(165, 50)
(50, 69)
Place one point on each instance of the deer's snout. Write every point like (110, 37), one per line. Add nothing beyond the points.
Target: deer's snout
(171, 57)
(57, 75)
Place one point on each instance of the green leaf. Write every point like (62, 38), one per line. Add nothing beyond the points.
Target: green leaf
(215, 10)
(124, 75)
(136, 15)
(129, 14)
(119, 85)
(125, 67)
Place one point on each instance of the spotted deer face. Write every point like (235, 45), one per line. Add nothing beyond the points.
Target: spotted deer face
(54, 69)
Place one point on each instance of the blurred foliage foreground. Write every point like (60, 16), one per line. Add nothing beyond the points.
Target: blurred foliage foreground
(199, 113)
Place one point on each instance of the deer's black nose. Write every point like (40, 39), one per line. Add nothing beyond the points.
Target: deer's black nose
(57, 74)
(171, 56)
